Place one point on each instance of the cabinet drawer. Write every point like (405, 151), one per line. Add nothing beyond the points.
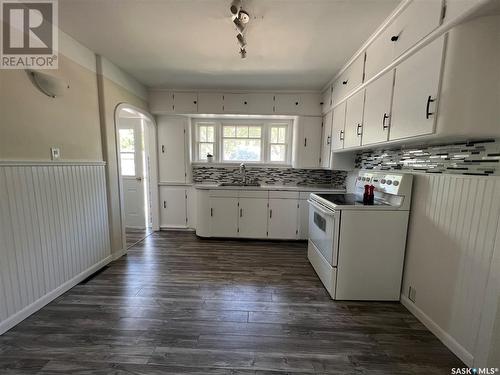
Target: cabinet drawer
(253, 194)
(349, 80)
(283, 194)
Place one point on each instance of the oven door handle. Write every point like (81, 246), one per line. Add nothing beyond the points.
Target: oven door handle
(320, 209)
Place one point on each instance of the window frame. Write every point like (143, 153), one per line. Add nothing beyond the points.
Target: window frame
(265, 124)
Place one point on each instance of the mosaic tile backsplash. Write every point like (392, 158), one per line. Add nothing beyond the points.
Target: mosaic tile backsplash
(468, 158)
(270, 176)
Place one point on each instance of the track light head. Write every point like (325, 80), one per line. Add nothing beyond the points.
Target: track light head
(241, 40)
(243, 53)
(235, 7)
(239, 25)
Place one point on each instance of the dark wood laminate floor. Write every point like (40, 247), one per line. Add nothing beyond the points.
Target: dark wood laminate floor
(134, 236)
(180, 305)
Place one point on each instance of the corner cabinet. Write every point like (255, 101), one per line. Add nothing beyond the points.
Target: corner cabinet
(416, 88)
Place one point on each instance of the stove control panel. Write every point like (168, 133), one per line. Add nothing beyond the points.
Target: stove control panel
(389, 183)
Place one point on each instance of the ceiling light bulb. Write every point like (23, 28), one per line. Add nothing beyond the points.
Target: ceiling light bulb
(235, 7)
(243, 16)
(241, 40)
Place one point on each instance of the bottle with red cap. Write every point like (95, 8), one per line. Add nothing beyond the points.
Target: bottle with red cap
(366, 195)
(371, 195)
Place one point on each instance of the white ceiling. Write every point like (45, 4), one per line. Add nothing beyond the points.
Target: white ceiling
(292, 44)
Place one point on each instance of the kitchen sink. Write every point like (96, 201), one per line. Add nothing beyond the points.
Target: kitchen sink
(239, 184)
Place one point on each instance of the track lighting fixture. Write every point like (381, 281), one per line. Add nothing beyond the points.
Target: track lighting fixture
(240, 19)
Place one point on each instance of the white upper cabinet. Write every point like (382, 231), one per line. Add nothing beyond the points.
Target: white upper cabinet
(326, 140)
(210, 102)
(416, 88)
(307, 142)
(349, 80)
(326, 100)
(414, 23)
(252, 212)
(377, 112)
(172, 150)
(249, 103)
(297, 104)
(185, 102)
(161, 102)
(338, 127)
(354, 120)
(380, 52)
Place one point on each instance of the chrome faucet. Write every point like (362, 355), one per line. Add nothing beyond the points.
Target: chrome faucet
(243, 173)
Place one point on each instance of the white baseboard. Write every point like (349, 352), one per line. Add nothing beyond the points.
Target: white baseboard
(182, 229)
(49, 297)
(118, 254)
(440, 333)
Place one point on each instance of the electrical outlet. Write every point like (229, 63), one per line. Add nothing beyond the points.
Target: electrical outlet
(412, 294)
(55, 153)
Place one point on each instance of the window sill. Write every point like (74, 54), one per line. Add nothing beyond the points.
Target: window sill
(248, 164)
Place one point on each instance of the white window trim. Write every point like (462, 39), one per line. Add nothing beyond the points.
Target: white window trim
(265, 145)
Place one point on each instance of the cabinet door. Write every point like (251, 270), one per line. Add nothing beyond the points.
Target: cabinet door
(283, 218)
(252, 218)
(326, 140)
(185, 102)
(310, 104)
(349, 80)
(259, 103)
(303, 219)
(161, 102)
(235, 103)
(338, 127)
(326, 100)
(173, 212)
(172, 148)
(416, 86)
(287, 104)
(210, 102)
(308, 142)
(354, 120)
(380, 53)
(223, 217)
(377, 113)
(415, 22)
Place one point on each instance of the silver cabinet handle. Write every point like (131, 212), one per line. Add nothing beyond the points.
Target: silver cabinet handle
(359, 131)
(328, 140)
(385, 117)
(341, 135)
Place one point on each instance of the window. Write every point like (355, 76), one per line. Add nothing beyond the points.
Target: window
(241, 143)
(127, 152)
(278, 143)
(205, 138)
(238, 140)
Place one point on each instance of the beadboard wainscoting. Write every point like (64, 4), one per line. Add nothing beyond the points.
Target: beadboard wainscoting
(53, 232)
(451, 242)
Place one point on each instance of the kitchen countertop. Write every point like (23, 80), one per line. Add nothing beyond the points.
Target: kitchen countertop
(328, 188)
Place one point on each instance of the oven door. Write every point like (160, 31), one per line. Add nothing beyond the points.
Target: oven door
(323, 230)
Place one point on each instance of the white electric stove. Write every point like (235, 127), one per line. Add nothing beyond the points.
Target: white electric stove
(358, 250)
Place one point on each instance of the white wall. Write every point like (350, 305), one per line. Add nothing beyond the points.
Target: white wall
(451, 240)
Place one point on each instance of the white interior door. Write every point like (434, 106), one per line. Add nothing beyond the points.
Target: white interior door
(132, 171)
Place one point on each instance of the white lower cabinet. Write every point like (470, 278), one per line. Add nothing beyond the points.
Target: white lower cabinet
(223, 217)
(303, 219)
(283, 218)
(251, 223)
(173, 206)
